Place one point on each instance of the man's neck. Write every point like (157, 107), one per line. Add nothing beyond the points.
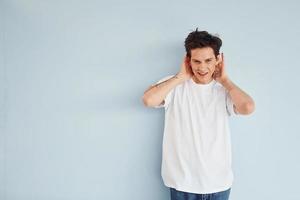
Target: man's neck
(198, 82)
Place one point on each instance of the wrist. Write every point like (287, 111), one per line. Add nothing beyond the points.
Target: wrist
(225, 80)
(180, 77)
(227, 84)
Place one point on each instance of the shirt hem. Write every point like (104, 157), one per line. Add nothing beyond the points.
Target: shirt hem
(183, 189)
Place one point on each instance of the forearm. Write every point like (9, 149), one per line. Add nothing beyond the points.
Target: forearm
(157, 93)
(243, 102)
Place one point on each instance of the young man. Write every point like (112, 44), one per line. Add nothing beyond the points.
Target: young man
(196, 160)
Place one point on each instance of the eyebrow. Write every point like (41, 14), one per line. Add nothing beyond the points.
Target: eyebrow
(205, 59)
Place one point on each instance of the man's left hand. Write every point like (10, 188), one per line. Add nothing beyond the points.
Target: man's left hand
(220, 73)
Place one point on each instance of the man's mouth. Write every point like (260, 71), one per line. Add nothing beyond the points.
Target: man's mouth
(202, 74)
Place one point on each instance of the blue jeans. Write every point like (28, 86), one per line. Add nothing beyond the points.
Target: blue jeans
(179, 195)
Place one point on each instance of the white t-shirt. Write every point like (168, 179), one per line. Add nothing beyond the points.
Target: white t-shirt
(196, 153)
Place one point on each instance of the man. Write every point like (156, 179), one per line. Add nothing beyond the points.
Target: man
(196, 160)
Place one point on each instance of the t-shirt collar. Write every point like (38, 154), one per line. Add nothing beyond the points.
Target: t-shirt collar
(199, 85)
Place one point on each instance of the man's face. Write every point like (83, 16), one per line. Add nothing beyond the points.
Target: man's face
(203, 63)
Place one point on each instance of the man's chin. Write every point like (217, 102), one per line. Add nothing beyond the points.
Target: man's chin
(202, 79)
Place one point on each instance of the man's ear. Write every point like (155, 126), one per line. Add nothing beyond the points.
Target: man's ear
(189, 60)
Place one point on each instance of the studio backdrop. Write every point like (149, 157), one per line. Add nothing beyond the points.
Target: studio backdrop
(72, 76)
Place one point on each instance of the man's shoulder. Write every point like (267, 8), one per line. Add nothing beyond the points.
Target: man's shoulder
(219, 87)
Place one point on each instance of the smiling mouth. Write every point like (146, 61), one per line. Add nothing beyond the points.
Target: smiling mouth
(202, 74)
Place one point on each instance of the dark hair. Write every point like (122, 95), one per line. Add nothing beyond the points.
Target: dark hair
(200, 39)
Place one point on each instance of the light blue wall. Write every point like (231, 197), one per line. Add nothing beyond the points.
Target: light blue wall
(72, 75)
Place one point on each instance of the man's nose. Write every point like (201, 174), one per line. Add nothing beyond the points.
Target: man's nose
(201, 67)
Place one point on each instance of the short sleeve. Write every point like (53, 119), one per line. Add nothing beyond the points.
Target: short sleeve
(229, 105)
(169, 96)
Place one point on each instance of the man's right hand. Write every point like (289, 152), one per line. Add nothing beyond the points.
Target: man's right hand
(156, 94)
(185, 72)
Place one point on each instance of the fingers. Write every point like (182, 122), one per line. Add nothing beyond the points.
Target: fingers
(223, 61)
(186, 61)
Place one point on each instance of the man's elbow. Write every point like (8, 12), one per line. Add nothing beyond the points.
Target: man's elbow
(147, 101)
(248, 108)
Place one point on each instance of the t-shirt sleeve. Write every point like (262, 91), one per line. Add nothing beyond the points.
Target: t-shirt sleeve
(169, 96)
(229, 105)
